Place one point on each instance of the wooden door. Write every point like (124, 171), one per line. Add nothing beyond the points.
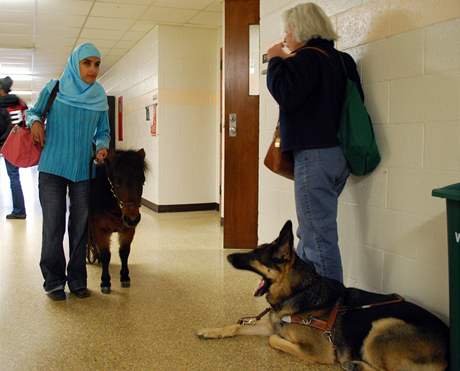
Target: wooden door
(241, 174)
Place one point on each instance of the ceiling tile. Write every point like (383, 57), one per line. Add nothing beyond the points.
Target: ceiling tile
(168, 15)
(100, 43)
(18, 6)
(144, 26)
(90, 33)
(184, 4)
(109, 60)
(16, 28)
(125, 44)
(56, 40)
(16, 41)
(64, 7)
(133, 36)
(50, 30)
(62, 20)
(208, 19)
(134, 2)
(117, 52)
(7, 16)
(109, 23)
(118, 10)
(47, 57)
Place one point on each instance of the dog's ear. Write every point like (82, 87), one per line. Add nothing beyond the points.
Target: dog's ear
(285, 249)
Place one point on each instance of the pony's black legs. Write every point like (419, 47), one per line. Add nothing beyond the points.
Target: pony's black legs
(124, 272)
(105, 277)
(125, 239)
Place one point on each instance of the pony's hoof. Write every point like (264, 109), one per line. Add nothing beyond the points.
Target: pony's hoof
(125, 283)
(105, 289)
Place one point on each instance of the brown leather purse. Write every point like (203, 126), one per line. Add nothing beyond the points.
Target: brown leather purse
(277, 161)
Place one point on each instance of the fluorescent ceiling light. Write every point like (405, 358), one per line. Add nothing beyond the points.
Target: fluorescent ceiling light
(22, 92)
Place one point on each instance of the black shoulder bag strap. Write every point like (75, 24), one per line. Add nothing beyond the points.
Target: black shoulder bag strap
(51, 99)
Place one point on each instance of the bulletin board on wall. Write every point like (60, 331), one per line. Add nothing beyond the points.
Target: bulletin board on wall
(151, 116)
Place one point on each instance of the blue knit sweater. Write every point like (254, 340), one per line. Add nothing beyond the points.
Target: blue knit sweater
(69, 135)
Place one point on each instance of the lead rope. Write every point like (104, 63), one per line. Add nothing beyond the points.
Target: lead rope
(92, 253)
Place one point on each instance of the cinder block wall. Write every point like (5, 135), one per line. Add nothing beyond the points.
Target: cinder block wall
(392, 232)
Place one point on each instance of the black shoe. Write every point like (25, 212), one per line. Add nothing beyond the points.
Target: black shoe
(16, 216)
(81, 293)
(57, 295)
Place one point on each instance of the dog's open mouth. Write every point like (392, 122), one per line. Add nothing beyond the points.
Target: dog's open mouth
(262, 288)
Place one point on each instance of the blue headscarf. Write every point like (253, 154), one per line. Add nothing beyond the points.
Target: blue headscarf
(73, 90)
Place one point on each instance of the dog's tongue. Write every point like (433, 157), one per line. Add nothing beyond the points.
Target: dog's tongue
(260, 288)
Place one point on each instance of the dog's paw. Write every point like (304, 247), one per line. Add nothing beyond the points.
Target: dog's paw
(218, 333)
(210, 333)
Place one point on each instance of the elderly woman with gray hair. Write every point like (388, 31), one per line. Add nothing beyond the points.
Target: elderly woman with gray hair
(308, 83)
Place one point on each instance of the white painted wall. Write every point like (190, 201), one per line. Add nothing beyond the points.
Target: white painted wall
(188, 115)
(180, 65)
(392, 232)
(135, 77)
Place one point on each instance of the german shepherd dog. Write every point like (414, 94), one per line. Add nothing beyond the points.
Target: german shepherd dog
(359, 329)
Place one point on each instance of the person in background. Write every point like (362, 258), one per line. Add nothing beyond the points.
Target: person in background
(308, 83)
(12, 113)
(77, 119)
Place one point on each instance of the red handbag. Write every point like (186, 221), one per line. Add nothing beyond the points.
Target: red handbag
(19, 147)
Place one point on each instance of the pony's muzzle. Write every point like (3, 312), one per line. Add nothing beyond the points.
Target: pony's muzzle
(130, 221)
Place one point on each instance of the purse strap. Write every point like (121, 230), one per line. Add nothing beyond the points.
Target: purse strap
(51, 99)
(327, 55)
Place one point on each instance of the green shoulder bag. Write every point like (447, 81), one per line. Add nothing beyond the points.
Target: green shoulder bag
(356, 134)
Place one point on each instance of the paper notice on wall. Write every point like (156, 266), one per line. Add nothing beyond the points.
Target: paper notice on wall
(151, 118)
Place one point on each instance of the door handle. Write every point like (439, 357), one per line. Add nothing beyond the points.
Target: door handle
(232, 125)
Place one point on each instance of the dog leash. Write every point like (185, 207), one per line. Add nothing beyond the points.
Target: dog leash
(252, 320)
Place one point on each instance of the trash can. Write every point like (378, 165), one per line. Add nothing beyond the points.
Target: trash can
(452, 195)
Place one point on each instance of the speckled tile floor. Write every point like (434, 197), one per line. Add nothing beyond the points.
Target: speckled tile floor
(180, 282)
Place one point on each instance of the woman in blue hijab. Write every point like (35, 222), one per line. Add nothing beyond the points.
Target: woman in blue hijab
(77, 119)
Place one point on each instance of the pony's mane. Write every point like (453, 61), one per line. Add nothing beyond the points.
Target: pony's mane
(131, 159)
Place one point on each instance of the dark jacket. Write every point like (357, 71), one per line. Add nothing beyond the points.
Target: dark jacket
(309, 88)
(8, 104)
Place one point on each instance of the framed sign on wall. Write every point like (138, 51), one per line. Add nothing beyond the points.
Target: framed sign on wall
(120, 118)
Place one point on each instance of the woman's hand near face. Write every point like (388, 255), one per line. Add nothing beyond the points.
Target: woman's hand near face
(38, 133)
(277, 51)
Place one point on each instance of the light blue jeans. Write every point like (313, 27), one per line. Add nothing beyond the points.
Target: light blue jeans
(320, 175)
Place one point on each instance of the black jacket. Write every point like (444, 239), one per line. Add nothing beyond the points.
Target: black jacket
(8, 101)
(309, 88)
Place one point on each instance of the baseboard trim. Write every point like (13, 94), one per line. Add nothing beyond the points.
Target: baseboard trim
(180, 207)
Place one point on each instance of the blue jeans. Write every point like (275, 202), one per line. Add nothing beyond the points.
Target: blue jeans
(52, 193)
(19, 207)
(320, 175)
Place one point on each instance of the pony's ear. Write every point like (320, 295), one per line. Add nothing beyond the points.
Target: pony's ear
(141, 153)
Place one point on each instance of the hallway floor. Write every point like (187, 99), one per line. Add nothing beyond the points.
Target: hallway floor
(180, 282)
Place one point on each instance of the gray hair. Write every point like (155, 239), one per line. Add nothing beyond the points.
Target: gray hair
(308, 21)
